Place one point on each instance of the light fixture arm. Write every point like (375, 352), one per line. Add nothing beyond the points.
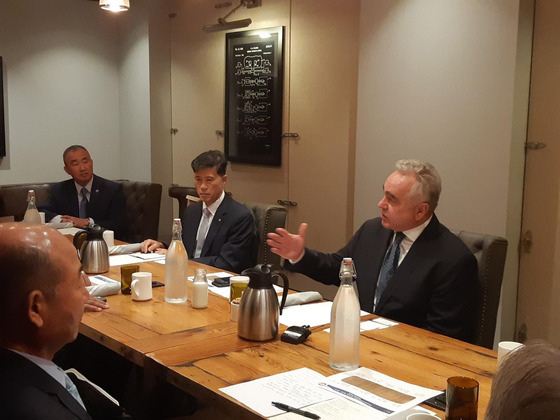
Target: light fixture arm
(224, 25)
(232, 11)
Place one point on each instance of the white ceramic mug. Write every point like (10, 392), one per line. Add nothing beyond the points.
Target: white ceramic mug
(234, 311)
(42, 216)
(141, 286)
(422, 416)
(505, 348)
(109, 237)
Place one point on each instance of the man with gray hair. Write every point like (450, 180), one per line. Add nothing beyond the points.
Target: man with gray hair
(410, 267)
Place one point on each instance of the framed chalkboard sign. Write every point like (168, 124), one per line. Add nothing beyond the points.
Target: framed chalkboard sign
(254, 92)
(2, 126)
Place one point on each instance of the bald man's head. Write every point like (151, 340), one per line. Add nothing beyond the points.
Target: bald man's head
(38, 269)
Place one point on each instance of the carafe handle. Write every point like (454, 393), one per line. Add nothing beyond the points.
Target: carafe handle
(79, 239)
(286, 288)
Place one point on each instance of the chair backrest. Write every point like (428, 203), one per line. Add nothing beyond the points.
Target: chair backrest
(490, 252)
(180, 193)
(268, 217)
(142, 210)
(13, 198)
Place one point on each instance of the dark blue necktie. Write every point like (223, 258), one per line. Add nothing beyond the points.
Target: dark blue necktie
(83, 203)
(390, 264)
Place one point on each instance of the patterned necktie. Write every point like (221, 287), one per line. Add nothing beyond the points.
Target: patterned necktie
(390, 264)
(202, 231)
(71, 388)
(83, 204)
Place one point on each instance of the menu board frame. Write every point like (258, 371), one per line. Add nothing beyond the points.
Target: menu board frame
(2, 124)
(254, 96)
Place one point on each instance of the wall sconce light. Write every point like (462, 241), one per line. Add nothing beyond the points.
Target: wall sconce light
(115, 5)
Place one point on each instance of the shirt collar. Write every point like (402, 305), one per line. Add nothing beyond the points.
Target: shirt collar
(415, 232)
(47, 365)
(212, 208)
(87, 187)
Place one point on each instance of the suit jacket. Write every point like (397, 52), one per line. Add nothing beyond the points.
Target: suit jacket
(434, 287)
(27, 392)
(106, 206)
(230, 241)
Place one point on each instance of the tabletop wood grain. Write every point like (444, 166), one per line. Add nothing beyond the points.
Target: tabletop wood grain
(198, 350)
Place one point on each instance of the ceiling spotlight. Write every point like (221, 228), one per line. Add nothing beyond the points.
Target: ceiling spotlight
(224, 25)
(115, 5)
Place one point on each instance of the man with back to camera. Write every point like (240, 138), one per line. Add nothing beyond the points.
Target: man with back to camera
(410, 268)
(86, 198)
(41, 306)
(217, 231)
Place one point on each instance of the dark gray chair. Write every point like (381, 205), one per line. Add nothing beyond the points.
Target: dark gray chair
(267, 217)
(180, 194)
(490, 252)
(13, 198)
(143, 201)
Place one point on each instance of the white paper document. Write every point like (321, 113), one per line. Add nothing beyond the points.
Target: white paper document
(148, 256)
(103, 286)
(377, 324)
(312, 314)
(383, 394)
(69, 230)
(124, 249)
(115, 260)
(297, 388)
(355, 395)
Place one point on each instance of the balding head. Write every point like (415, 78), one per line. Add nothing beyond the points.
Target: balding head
(527, 384)
(40, 287)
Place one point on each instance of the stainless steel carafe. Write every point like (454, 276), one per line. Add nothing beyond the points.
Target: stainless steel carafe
(92, 250)
(258, 310)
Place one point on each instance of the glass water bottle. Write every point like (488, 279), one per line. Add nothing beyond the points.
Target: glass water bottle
(344, 351)
(31, 214)
(176, 267)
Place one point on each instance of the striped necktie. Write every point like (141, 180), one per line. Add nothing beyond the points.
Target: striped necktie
(389, 266)
(83, 204)
(72, 390)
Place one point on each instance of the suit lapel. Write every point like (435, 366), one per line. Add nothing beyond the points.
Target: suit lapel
(95, 190)
(217, 223)
(72, 195)
(43, 381)
(191, 220)
(412, 259)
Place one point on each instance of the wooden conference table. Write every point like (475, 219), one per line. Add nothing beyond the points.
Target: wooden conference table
(198, 350)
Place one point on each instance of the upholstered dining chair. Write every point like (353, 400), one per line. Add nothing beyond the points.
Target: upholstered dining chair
(490, 252)
(180, 194)
(267, 217)
(143, 201)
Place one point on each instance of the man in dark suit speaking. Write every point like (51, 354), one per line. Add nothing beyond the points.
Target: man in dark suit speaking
(410, 267)
(217, 231)
(86, 198)
(41, 305)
